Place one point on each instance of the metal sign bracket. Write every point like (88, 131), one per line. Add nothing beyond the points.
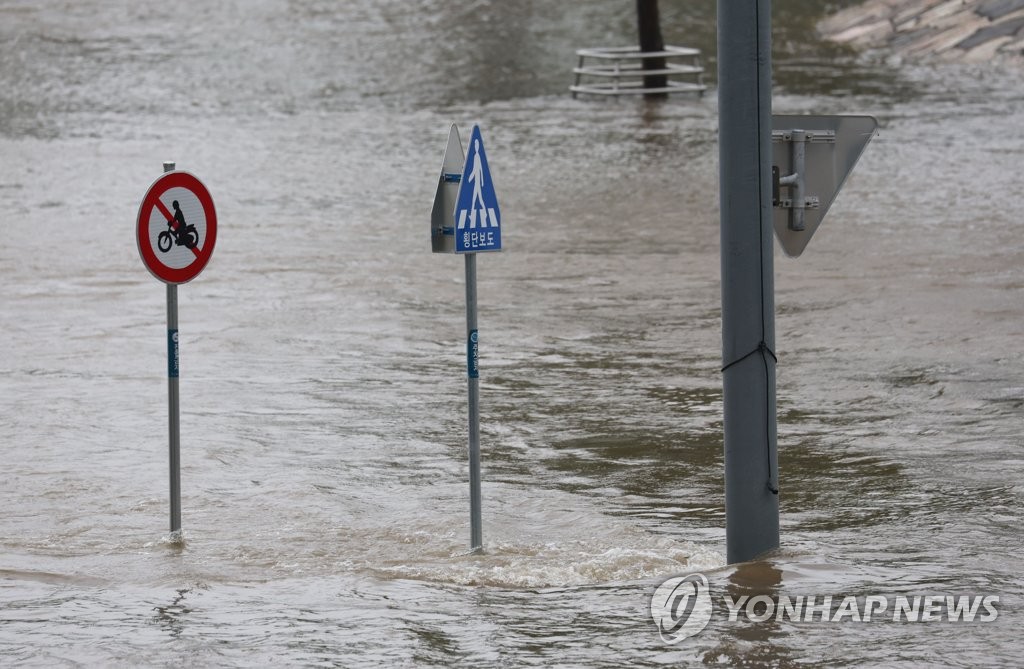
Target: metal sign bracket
(799, 202)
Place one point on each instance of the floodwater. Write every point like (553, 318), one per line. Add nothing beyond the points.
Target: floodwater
(324, 473)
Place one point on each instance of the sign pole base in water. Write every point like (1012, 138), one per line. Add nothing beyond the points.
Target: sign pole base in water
(748, 290)
(173, 405)
(174, 410)
(476, 539)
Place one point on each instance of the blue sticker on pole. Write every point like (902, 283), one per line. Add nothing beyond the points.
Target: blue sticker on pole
(477, 216)
(172, 354)
(473, 355)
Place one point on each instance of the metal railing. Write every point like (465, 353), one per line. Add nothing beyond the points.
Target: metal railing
(619, 71)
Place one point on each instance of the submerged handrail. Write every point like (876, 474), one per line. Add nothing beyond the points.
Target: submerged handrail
(619, 71)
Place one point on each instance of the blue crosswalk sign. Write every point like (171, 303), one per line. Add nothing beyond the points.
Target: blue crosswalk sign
(477, 217)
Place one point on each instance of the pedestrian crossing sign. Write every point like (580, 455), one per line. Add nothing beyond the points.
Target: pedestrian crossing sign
(477, 217)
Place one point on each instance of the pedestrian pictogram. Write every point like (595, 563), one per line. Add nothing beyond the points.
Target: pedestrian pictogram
(477, 216)
(177, 227)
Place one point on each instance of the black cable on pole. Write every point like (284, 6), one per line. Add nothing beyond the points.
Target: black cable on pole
(762, 346)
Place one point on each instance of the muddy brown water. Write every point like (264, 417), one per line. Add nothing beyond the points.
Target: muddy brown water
(325, 501)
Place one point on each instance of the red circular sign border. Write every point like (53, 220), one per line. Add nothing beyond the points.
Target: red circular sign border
(149, 259)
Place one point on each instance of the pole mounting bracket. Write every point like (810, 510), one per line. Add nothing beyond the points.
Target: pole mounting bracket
(799, 201)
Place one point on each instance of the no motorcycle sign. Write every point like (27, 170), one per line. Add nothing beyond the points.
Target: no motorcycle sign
(177, 227)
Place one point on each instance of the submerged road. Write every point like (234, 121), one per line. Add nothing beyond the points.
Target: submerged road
(958, 30)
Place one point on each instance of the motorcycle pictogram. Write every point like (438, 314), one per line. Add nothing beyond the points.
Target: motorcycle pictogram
(177, 232)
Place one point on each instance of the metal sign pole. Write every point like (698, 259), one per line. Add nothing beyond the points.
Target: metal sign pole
(748, 290)
(193, 225)
(476, 540)
(173, 406)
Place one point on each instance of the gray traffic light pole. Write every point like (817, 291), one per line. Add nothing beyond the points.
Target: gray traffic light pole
(748, 299)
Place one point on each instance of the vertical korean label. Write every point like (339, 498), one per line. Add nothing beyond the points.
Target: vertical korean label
(473, 355)
(172, 354)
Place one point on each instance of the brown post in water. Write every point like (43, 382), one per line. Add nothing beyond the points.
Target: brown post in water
(649, 25)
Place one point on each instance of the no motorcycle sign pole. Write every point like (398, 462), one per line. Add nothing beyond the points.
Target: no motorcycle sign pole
(176, 232)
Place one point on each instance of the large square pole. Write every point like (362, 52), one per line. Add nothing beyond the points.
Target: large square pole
(748, 301)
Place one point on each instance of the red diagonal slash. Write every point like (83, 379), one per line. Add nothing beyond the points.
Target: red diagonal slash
(173, 222)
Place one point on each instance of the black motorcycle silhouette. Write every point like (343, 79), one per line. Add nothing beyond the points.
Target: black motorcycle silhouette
(183, 235)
